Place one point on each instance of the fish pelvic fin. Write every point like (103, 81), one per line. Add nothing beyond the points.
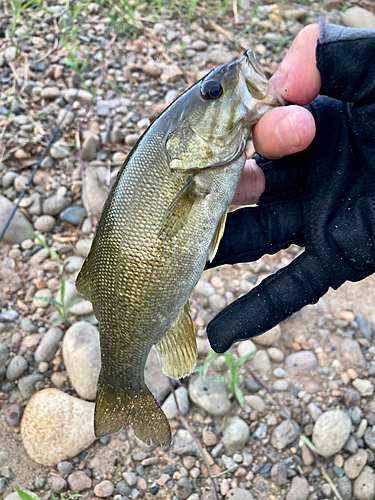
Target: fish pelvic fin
(218, 235)
(177, 212)
(83, 279)
(116, 409)
(178, 348)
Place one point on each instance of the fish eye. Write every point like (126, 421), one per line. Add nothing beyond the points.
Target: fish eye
(211, 89)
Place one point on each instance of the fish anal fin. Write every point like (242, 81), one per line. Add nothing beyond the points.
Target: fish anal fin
(117, 409)
(177, 213)
(178, 348)
(83, 279)
(218, 235)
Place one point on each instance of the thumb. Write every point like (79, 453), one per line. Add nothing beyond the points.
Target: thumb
(302, 282)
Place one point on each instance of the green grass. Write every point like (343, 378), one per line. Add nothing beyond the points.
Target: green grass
(25, 496)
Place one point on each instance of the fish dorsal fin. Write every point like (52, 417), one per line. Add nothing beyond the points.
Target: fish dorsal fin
(177, 212)
(178, 348)
(218, 235)
(83, 279)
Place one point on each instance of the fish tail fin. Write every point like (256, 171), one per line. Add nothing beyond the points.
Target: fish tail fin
(117, 409)
(83, 279)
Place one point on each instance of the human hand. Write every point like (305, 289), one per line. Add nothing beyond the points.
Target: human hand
(322, 197)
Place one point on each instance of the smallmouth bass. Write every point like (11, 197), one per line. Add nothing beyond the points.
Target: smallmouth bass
(162, 221)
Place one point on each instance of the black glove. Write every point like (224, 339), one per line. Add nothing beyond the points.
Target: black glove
(322, 198)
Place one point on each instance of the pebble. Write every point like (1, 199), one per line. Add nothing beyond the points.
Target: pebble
(155, 379)
(357, 17)
(183, 488)
(280, 372)
(364, 387)
(330, 432)
(55, 204)
(184, 444)
(209, 395)
(235, 435)
(365, 326)
(78, 481)
(355, 414)
(89, 147)
(269, 338)
(17, 367)
(364, 485)
(219, 57)
(246, 347)
(299, 489)
(104, 489)
(354, 465)
(40, 296)
(8, 179)
(281, 385)
(255, 402)
(81, 95)
(10, 53)
(19, 228)
(261, 362)
(239, 494)
(217, 302)
(302, 360)
(314, 411)
(209, 437)
(284, 434)
(260, 432)
(95, 189)
(169, 405)
(130, 478)
(279, 474)
(51, 93)
(56, 426)
(47, 348)
(81, 352)
(65, 467)
(57, 484)
(370, 437)
(275, 354)
(82, 308)
(74, 215)
(345, 488)
(26, 385)
(199, 45)
(59, 151)
(4, 356)
(350, 355)
(45, 223)
(13, 415)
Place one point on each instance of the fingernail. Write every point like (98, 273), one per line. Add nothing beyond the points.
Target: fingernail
(287, 133)
(278, 79)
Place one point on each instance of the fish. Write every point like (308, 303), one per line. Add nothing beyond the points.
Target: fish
(163, 219)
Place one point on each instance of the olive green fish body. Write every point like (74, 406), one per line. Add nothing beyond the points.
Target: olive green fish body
(161, 222)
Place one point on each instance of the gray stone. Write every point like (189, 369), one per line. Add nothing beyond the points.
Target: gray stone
(17, 367)
(8, 179)
(71, 293)
(4, 356)
(284, 434)
(130, 478)
(314, 411)
(235, 435)
(51, 93)
(351, 445)
(357, 17)
(261, 362)
(260, 432)
(275, 354)
(365, 326)
(354, 465)
(279, 474)
(81, 352)
(364, 485)
(74, 264)
(83, 308)
(269, 338)
(59, 151)
(13, 415)
(89, 147)
(355, 414)
(169, 405)
(280, 372)
(55, 204)
(330, 432)
(255, 402)
(239, 494)
(10, 53)
(281, 385)
(19, 228)
(83, 247)
(57, 484)
(95, 189)
(65, 467)
(56, 426)
(199, 45)
(184, 444)
(349, 354)
(4, 457)
(344, 485)
(183, 488)
(74, 215)
(36, 206)
(104, 489)
(370, 437)
(246, 347)
(302, 360)
(26, 385)
(209, 395)
(47, 349)
(217, 302)
(364, 387)
(45, 223)
(219, 57)
(9, 316)
(155, 379)
(78, 481)
(81, 95)
(299, 489)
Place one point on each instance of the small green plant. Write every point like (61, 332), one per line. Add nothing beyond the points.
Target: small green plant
(19, 6)
(75, 60)
(25, 496)
(202, 369)
(62, 309)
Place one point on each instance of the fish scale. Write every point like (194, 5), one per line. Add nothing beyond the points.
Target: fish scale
(163, 219)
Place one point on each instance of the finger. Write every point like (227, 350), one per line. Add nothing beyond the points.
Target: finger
(251, 186)
(252, 232)
(284, 131)
(298, 79)
(275, 299)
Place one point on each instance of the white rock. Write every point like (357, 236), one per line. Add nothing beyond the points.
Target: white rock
(357, 17)
(236, 434)
(81, 352)
(331, 431)
(270, 337)
(246, 347)
(169, 405)
(261, 362)
(364, 387)
(56, 426)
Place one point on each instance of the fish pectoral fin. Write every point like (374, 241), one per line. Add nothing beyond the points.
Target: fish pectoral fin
(117, 409)
(218, 235)
(83, 279)
(178, 348)
(177, 212)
